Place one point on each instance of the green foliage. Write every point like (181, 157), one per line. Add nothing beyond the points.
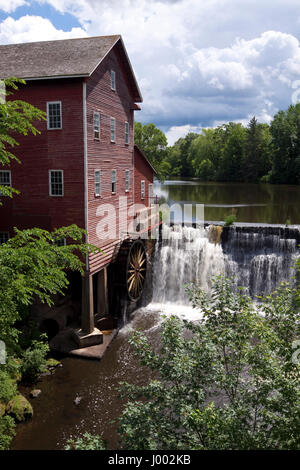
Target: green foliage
(153, 142)
(285, 131)
(229, 220)
(7, 431)
(32, 265)
(34, 361)
(86, 442)
(229, 381)
(8, 386)
(16, 117)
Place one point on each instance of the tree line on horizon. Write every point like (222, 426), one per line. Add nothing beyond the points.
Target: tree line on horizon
(256, 153)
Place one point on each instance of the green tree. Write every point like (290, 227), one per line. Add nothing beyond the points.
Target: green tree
(33, 265)
(183, 144)
(231, 163)
(257, 161)
(228, 381)
(16, 117)
(285, 131)
(153, 142)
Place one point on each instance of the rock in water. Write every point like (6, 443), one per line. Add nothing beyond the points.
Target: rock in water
(19, 408)
(35, 393)
(77, 400)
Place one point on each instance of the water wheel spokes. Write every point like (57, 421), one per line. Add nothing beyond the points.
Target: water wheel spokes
(136, 272)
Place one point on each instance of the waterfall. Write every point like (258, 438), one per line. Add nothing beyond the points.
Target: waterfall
(260, 257)
(184, 255)
(255, 257)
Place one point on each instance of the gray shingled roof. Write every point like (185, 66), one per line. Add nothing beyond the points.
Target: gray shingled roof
(55, 59)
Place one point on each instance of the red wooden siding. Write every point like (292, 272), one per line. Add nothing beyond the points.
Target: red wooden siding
(104, 155)
(142, 171)
(52, 149)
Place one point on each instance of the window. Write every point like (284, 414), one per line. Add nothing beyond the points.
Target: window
(97, 183)
(113, 80)
(127, 181)
(54, 119)
(112, 129)
(113, 181)
(4, 237)
(56, 182)
(126, 133)
(5, 178)
(143, 189)
(96, 126)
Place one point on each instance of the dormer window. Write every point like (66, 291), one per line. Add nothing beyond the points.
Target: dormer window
(113, 80)
(54, 118)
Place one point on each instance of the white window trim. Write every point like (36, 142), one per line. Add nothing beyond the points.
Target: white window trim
(114, 121)
(9, 172)
(113, 80)
(127, 133)
(113, 170)
(97, 194)
(127, 172)
(143, 192)
(54, 128)
(63, 185)
(97, 114)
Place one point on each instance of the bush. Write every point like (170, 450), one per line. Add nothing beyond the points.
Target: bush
(229, 220)
(86, 442)
(34, 361)
(8, 387)
(7, 431)
(231, 381)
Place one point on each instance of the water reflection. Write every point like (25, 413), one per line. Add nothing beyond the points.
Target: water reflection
(264, 203)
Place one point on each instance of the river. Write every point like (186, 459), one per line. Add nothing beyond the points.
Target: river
(261, 203)
(259, 256)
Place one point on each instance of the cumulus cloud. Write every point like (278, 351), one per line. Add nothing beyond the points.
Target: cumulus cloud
(33, 28)
(197, 63)
(8, 6)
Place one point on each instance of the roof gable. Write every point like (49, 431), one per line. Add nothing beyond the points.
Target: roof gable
(61, 59)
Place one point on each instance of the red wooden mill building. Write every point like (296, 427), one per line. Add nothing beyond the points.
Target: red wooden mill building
(84, 158)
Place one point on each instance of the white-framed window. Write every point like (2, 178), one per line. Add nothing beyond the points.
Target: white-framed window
(54, 115)
(4, 237)
(127, 180)
(97, 183)
(5, 178)
(96, 126)
(142, 189)
(113, 181)
(56, 182)
(112, 129)
(126, 132)
(113, 80)
(150, 194)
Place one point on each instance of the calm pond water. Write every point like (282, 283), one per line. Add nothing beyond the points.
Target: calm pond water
(263, 203)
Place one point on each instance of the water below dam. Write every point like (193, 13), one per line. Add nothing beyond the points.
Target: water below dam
(257, 257)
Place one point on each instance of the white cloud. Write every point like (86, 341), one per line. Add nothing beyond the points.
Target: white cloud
(8, 6)
(175, 132)
(33, 28)
(196, 62)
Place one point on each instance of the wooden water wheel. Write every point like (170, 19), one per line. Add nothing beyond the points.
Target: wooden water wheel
(131, 266)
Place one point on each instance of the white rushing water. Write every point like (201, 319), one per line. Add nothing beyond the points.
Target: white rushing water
(257, 258)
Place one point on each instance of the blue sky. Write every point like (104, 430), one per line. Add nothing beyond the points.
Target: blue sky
(198, 63)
